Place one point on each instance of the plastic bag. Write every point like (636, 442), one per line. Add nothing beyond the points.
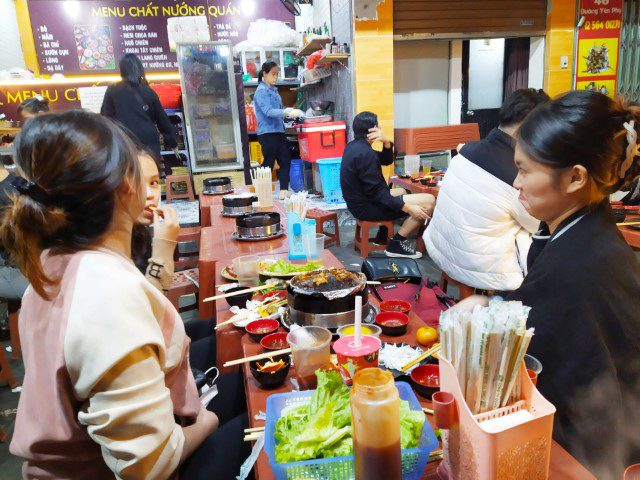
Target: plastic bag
(272, 33)
(313, 59)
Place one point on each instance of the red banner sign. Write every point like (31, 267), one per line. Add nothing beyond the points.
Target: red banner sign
(599, 45)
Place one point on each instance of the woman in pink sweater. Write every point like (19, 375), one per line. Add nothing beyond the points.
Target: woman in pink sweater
(107, 388)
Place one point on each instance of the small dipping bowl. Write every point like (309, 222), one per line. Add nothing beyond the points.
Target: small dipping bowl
(426, 380)
(258, 329)
(395, 306)
(352, 358)
(275, 341)
(368, 329)
(239, 301)
(392, 323)
(270, 379)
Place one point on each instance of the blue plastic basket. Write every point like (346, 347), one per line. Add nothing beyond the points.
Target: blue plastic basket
(296, 175)
(330, 177)
(414, 460)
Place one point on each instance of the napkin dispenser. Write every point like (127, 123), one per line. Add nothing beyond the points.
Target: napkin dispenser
(297, 229)
(506, 443)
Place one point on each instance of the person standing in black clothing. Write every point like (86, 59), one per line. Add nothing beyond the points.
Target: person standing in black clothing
(136, 106)
(583, 283)
(367, 194)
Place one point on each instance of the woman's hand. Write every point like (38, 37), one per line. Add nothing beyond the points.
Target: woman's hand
(469, 303)
(170, 228)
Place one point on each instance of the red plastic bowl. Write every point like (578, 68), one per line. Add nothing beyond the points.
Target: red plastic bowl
(426, 379)
(388, 322)
(395, 306)
(275, 341)
(258, 329)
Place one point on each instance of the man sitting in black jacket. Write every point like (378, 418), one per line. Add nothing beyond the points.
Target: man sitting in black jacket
(366, 192)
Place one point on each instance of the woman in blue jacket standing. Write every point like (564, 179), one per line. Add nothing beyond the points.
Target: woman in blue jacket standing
(270, 114)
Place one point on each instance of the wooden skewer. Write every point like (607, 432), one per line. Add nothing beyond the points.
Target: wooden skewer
(435, 455)
(373, 282)
(626, 224)
(428, 353)
(427, 411)
(239, 292)
(262, 356)
(227, 322)
(257, 429)
(253, 437)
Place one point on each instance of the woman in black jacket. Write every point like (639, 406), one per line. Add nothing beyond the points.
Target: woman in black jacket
(583, 281)
(136, 106)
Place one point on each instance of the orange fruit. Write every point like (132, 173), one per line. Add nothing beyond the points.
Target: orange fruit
(426, 336)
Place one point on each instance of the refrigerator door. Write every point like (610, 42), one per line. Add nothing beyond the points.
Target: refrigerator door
(210, 105)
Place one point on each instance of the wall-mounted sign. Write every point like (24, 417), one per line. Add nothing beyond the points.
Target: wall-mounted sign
(76, 37)
(598, 45)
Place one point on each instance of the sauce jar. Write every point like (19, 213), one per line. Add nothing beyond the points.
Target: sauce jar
(375, 419)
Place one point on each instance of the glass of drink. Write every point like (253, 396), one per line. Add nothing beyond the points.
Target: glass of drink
(427, 163)
(313, 245)
(310, 350)
(246, 269)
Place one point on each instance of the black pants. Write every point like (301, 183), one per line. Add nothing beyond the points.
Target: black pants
(222, 452)
(275, 147)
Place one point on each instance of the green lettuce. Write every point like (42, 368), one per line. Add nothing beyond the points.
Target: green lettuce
(321, 428)
(282, 267)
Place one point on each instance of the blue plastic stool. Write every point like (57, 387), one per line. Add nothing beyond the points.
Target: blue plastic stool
(296, 175)
(330, 177)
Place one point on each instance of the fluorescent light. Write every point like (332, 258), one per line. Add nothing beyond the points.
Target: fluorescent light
(248, 7)
(72, 8)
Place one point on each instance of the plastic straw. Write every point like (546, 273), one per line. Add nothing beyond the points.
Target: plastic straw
(358, 326)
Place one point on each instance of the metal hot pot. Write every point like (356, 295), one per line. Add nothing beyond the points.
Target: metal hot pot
(326, 298)
(256, 225)
(217, 186)
(236, 205)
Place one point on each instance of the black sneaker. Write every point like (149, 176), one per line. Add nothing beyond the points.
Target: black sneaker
(404, 248)
(382, 237)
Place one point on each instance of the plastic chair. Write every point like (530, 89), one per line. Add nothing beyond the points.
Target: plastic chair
(465, 290)
(322, 216)
(183, 285)
(363, 241)
(187, 260)
(176, 194)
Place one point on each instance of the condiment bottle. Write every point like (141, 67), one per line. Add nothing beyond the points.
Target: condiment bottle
(375, 419)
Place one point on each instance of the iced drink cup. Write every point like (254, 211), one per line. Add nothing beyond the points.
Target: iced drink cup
(310, 350)
(352, 358)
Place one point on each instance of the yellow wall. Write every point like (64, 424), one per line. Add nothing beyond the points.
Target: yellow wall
(26, 36)
(373, 56)
(561, 23)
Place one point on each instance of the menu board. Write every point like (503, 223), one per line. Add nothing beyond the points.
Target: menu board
(89, 37)
(598, 46)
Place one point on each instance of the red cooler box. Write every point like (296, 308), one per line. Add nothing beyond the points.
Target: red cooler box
(321, 140)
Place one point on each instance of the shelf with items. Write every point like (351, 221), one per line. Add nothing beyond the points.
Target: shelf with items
(331, 58)
(314, 45)
(306, 86)
(284, 83)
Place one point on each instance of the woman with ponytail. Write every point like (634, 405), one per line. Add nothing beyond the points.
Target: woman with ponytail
(270, 114)
(107, 389)
(583, 280)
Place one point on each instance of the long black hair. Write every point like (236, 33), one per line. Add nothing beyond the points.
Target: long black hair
(34, 105)
(266, 68)
(74, 162)
(132, 71)
(585, 128)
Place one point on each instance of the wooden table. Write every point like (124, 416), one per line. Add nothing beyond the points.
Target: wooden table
(562, 466)
(631, 235)
(413, 187)
(229, 338)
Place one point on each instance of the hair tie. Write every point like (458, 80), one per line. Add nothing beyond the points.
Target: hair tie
(633, 149)
(32, 190)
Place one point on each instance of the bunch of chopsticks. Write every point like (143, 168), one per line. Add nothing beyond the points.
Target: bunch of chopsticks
(252, 434)
(261, 175)
(297, 203)
(486, 347)
(432, 352)
(277, 303)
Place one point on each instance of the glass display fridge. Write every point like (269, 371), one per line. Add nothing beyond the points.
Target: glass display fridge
(210, 105)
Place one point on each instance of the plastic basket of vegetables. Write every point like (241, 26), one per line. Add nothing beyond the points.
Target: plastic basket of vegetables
(308, 434)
